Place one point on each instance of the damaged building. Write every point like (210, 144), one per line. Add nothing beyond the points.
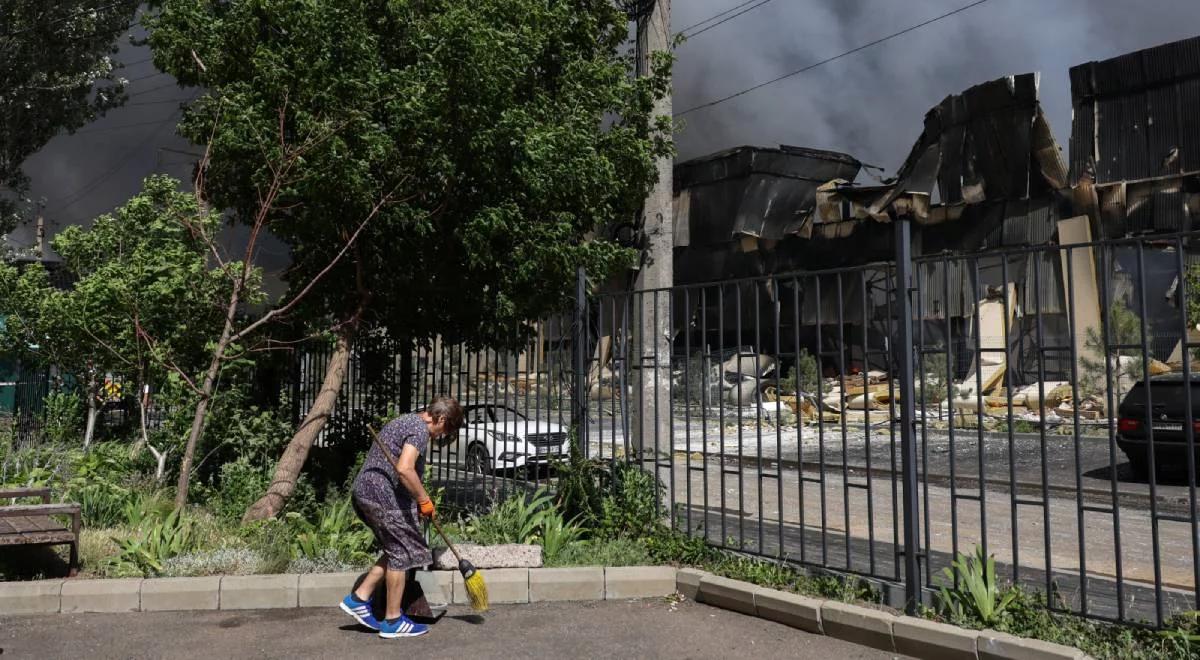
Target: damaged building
(992, 200)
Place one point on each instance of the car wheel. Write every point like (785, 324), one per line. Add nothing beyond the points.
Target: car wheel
(478, 461)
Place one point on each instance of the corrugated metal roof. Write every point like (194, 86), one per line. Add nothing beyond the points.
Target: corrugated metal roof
(1137, 100)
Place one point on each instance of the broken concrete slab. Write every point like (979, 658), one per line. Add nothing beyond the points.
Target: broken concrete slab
(509, 555)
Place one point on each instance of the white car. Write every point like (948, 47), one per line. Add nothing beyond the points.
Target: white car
(497, 437)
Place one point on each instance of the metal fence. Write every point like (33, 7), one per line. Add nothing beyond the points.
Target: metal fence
(802, 428)
(1030, 438)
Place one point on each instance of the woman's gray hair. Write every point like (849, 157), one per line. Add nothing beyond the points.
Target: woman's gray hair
(448, 410)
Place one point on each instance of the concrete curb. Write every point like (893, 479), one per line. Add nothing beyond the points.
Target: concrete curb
(866, 626)
(235, 592)
(853, 623)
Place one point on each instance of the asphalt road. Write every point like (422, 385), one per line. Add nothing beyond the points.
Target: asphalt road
(608, 629)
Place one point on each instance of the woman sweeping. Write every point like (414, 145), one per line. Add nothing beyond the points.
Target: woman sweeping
(391, 500)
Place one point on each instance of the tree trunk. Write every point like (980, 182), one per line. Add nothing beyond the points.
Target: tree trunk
(287, 471)
(144, 441)
(200, 417)
(93, 412)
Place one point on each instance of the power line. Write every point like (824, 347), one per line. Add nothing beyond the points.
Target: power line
(105, 129)
(68, 17)
(726, 20)
(153, 89)
(829, 59)
(179, 100)
(78, 194)
(716, 16)
(147, 76)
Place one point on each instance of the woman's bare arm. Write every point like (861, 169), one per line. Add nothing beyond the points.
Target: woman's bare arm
(406, 466)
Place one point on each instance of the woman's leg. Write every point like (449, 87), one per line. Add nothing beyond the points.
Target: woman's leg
(395, 593)
(366, 589)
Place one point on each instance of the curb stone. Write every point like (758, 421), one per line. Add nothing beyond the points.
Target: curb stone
(791, 609)
(547, 584)
(324, 589)
(728, 594)
(252, 592)
(861, 625)
(930, 639)
(638, 581)
(993, 645)
(853, 623)
(504, 585)
(867, 626)
(181, 593)
(687, 581)
(35, 597)
(101, 595)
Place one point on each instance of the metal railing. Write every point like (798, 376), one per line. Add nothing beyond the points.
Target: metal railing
(1020, 361)
(874, 420)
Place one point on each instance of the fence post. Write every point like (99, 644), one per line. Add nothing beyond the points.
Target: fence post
(579, 341)
(908, 445)
(406, 376)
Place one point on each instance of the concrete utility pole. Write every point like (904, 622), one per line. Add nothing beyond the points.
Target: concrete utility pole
(650, 422)
(40, 232)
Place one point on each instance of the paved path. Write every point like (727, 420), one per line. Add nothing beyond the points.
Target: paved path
(615, 629)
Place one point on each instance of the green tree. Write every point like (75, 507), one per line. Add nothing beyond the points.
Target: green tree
(1124, 328)
(56, 73)
(455, 158)
(146, 302)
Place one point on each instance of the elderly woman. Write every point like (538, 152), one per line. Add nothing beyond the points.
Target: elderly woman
(391, 500)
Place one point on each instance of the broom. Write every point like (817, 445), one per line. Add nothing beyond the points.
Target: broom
(472, 578)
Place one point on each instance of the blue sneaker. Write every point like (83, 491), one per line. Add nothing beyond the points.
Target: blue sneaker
(402, 627)
(360, 610)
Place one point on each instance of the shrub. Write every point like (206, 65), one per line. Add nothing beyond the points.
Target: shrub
(62, 417)
(156, 540)
(238, 484)
(337, 532)
(630, 509)
(519, 519)
(581, 484)
(803, 376)
(557, 534)
(974, 596)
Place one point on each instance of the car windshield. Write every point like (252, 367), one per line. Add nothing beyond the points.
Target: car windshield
(493, 415)
(507, 415)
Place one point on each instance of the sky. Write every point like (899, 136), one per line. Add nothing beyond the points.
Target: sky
(870, 104)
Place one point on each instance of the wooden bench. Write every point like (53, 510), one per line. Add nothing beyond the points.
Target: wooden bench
(34, 524)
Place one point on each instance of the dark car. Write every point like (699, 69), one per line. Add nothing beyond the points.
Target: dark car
(1166, 420)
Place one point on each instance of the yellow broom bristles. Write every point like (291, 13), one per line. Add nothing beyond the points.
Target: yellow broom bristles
(477, 592)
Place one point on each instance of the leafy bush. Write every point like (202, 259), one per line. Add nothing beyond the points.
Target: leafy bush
(581, 485)
(803, 376)
(272, 540)
(62, 417)
(557, 534)
(672, 546)
(102, 505)
(238, 484)
(519, 519)
(630, 509)
(156, 540)
(974, 597)
(336, 532)
(611, 552)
